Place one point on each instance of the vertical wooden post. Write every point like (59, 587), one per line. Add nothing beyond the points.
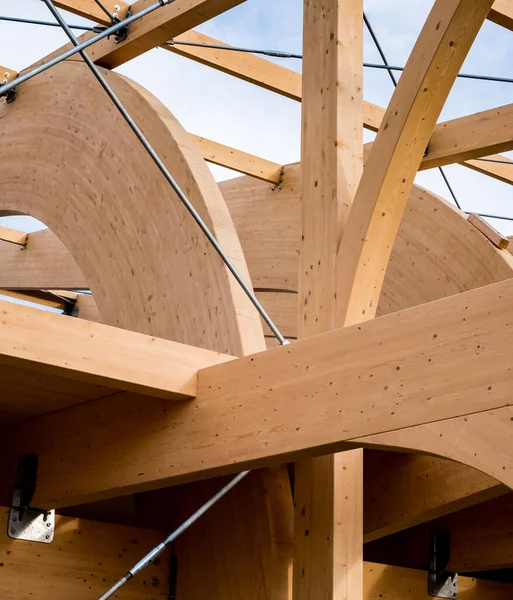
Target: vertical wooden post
(328, 491)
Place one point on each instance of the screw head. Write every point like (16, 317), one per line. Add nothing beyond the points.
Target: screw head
(117, 8)
(154, 581)
(48, 524)
(13, 531)
(7, 75)
(115, 15)
(47, 536)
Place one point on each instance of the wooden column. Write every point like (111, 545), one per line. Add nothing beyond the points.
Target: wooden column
(328, 490)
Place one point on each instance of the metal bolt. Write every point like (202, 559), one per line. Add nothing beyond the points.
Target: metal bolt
(117, 8)
(7, 75)
(154, 581)
(48, 524)
(115, 15)
(14, 519)
(47, 536)
(13, 531)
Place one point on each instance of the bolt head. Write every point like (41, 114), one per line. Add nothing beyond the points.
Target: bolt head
(117, 8)
(7, 75)
(154, 581)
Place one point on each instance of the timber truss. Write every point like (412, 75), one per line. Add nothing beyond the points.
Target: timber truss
(333, 336)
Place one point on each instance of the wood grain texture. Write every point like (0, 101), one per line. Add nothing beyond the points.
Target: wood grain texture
(84, 560)
(397, 152)
(90, 10)
(445, 362)
(502, 13)
(480, 539)
(101, 355)
(222, 155)
(503, 171)
(126, 209)
(488, 231)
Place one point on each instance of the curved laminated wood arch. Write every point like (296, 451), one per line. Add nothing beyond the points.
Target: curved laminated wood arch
(68, 159)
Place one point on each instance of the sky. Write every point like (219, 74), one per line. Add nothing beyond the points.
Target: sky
(246, 117)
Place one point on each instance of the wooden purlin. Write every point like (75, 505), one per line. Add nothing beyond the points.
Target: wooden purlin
(12, 236)
(90, 10)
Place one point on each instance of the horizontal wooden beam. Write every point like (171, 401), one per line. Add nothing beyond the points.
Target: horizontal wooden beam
(12, 236)
(240, 161)
(90, 10)
(421, 365)
(56, 299)
(84, 351)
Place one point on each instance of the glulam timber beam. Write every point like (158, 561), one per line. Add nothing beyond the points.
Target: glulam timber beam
(48, 298)
(239, 161)
(394, 160)
(501, 170)
(403, 490)
(13, 236)
(153, 30)
(84, 351)
(90, 10)
(480, 539)
(470, 137)
(502, 13)
(393, 374)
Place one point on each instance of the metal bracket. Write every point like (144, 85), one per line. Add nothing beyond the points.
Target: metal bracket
(70, 308)
(441, 583)
(11, 95)
(122, 34)
(26, 523)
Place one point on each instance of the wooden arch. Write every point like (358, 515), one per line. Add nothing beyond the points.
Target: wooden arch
(68, 159)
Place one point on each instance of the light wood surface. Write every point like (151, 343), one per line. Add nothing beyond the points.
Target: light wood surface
(222, 155)
(327, 394)
(85, 559)
(488, 231)
(480, 539)
(328, 522)
(503, 171)
(36, 340)
(397, 152)
(124, 241)
(90, 10)
(12, 236)
(502, 13)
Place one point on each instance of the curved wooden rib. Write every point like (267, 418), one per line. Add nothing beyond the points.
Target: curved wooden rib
(68, 159)
(397, 152)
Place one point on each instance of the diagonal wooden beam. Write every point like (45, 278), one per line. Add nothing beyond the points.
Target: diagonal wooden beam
(83, 351)
(391, 374)
(154, 29)
(240, 161)
(12, 236)
(90, 10)
(502, 170)
(502, 13)
(398, 150)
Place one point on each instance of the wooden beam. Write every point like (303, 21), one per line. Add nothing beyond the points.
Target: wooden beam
(480, 539)
(153, 30)
(90, 10)
(84, 351)
(503, 170)
(473, 136)
(414, 367)
(12, 236)
(41, 297)
(488, 231)
(240, 161)
(328, 559)
(383, 582)
(85, 559)
(398, 150)
(403, 490)
(502, 13)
